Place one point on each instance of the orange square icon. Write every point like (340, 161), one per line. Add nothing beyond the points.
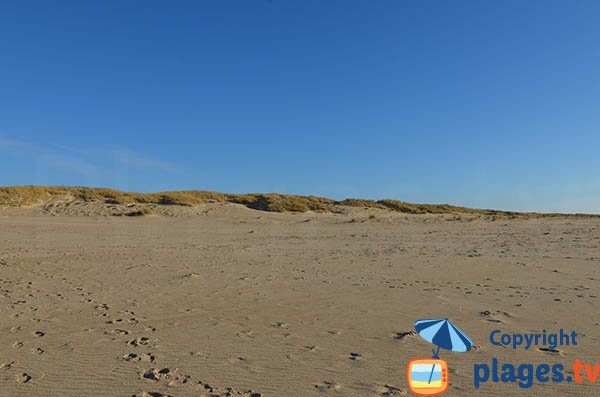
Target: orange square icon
(427, 376)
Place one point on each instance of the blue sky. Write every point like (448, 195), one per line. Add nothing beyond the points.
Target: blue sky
(490, 104)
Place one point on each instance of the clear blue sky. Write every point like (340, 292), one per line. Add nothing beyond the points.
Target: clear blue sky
(478, 103)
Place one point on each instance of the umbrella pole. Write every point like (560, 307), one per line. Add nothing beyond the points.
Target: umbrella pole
(435, 355)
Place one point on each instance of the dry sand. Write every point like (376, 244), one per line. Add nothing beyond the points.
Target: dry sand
(222, 296)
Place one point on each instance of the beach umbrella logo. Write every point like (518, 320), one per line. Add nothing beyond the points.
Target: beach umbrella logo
(429, 376)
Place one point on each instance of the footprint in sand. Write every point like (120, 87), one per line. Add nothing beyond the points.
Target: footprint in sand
(23, 378)
(144, 357)
(37, 350)
(167, 375)
(117, 331)
(157, 374)
(227, 392)
(5, 366)
(327, 387)
(141, 341)
(102, 307)
(355, 356)
(403, 334)
(17, 345)
(238, 360)
(389, 391)
(550, 351)
(202, 355)
(245, 334)
(493, 316)
(151, 394)
(206, 387)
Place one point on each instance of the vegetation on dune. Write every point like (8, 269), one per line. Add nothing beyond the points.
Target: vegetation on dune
(22, 196)
(281, 202)
(352, 202)
(411, 208)
(431, 208)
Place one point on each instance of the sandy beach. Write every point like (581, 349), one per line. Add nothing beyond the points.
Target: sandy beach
(221, 300)
(299, 198)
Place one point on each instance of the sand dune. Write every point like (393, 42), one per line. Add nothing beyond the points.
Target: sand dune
(223, 300)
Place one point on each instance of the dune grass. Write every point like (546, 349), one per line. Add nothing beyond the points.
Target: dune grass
(23, 196)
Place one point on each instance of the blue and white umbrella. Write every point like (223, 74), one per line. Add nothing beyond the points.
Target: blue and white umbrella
(444, 334)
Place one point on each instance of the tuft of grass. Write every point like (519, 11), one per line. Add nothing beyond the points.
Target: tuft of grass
(362, 203)
(22, 196)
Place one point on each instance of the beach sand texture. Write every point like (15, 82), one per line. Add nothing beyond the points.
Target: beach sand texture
(220, 299)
